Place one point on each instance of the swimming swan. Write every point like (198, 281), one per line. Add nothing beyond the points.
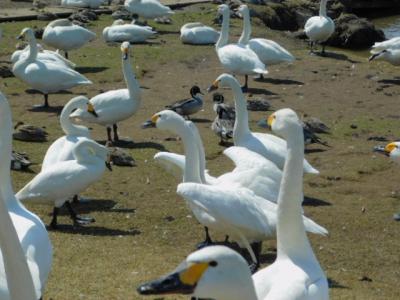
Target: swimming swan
(268, 51)
(120, 32)
(319, 28)
(45, 76)
(64, 35)
(236, 58)
(198, 34)
(64, 179)
(117, 105)
(270, 146)
(31, 232)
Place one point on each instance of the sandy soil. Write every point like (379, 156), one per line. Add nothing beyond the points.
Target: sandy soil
(143, 229)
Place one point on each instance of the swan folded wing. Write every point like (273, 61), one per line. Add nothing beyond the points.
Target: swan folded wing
(72, 36)
(240, 60)
(393, 43)
(319, 28)
(234, 207)
(269, 51)
(244, 159)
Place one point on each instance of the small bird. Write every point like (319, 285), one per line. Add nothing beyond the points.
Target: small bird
(188, 106)
(225, 119)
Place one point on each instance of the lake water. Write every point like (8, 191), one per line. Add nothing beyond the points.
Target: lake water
(389, 25)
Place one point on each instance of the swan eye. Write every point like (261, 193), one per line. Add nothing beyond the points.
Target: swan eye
(213, 263)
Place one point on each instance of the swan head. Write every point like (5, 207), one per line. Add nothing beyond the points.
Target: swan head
(215, 272)
(26, 33)
(195, 90)
(125, 46)
(223, 80)
(91, 149)
(81, 102)
(223, 10)
(284, 122)
(243, 9)
(118, 22)
(168, 120)
(392, 150)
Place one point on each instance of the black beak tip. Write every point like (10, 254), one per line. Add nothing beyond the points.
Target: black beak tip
(148, 124)
(211, 88)
(144, 289)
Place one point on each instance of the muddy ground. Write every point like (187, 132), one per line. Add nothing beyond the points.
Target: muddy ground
(143, 229)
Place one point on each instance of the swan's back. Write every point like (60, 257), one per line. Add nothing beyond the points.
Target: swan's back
(319, 28)
(393, 43)
(67, 37)
(127, 32)
(269, 51)
(148, 8)
(197, 33)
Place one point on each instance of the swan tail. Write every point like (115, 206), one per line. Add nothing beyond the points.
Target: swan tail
(261, 71)
(313, 227)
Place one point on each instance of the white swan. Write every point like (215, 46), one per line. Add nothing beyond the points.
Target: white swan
(83, 3)
(120, 32)
(116, 105)
(319, 28)
(236, 58)
(64, 35)
(268, 51)
(61, 181)
(225, 206)
(391, 55)
(392, 150)
(148, 9)
(31, 232)
(218, 272)
(270, 146)
(45, 76)
(393, 43)
(52, 56)
(198, 34)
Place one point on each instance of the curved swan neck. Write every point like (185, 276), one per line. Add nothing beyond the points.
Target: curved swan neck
(322, 8)
(131, 82)
(67, 126)
(200, 152)
(224, 36)
(241, 126)
(19, 278)
(292, 240)
(246, 33)
(33, 50)
(191, 172)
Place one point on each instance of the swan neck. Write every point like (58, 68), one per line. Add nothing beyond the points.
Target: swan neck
(292, 240)
(131, 82)
(241, 126)
(33, 50)
(191, 172)
(67, 126)
(322, 8)
(224, 36)
(246, 33)
(201, 154)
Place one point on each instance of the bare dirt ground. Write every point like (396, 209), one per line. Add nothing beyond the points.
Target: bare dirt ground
(143, 229)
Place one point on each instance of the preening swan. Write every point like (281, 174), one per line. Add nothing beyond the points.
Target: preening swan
(61, 181)
(148, 9)
(117, 105)
(120, 32)
(235, 58)
(319, 28)
(83, 3)
(198, 34)
(43, 54)
(27, 231)
(42, 75)
(268, 51)
(64, 35)
(270, 146)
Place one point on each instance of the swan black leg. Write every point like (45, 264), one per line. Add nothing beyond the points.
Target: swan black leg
(207, 241)
(75, 199)
(311, 47)
(109, 139)
(115, 129)
(256, 247)
(323, 50)
(66, 54)
(53, 223)
(78, 220)
(245, 87)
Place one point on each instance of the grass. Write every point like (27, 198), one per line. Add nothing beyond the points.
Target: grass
(143, 229)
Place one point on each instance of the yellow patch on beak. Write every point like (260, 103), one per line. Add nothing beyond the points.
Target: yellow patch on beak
(271, 120)
(390, 147)
(193, 274)
(215, 83)
(154, 118)
(90, 108)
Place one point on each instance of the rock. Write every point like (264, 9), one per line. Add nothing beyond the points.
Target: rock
(258, 105)
(19, 161)
(29, 133)
(355, 33)
(377, 138)
(120, 157)
(47, 16)
(365, 278)
(122, 13)
(353, 126)
(5, 72)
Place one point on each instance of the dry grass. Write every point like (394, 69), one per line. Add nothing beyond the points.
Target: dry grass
(134, 239)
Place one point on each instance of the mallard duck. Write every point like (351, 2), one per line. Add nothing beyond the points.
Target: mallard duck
(19, 161)
(29, 133)
(189, 106)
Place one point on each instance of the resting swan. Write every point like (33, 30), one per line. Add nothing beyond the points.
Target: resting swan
(148, 9)
(236, 58)
(319, 28)
(198, 34)
(218, 272)
(225, 206)
(268, 51)
(83, 3)
(270, 146)
(42, 75)
(64, 35)
(120, 32)
(28, 229)
(117, 105)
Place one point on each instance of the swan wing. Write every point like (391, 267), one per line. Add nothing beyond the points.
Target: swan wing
(270, 52)
(171, 162)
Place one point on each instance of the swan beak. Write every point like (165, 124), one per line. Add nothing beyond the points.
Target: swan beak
(91, 110)
(389, 148)
(148, 124)
(271, 120)
(213, 87)
(181, 282)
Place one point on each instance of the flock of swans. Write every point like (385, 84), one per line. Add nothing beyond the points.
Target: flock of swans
(260, 199)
